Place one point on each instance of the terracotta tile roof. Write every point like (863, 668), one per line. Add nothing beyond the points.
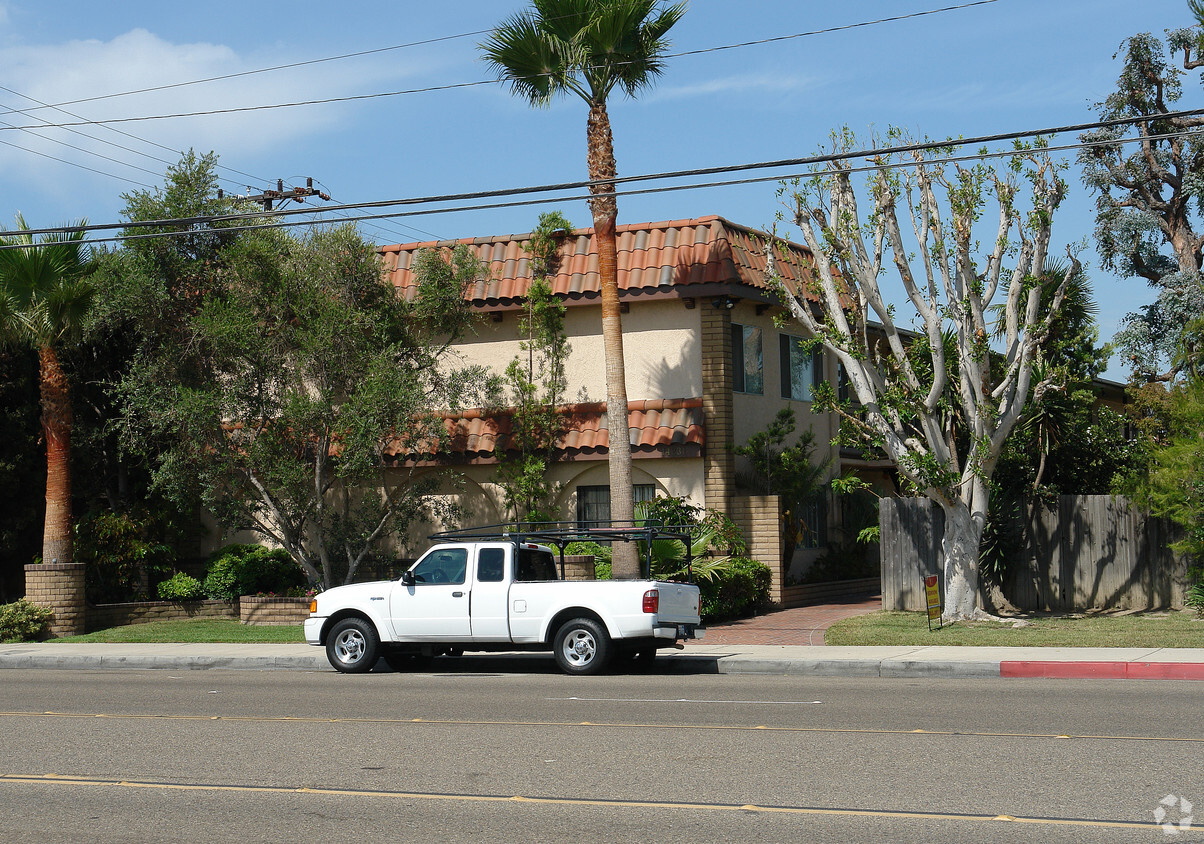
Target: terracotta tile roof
(657, 428)
(652, 257)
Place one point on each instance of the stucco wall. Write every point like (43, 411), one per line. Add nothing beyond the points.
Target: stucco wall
(753, 413)
(661, 350)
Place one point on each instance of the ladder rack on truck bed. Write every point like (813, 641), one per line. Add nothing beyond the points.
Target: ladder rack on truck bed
(560, 534)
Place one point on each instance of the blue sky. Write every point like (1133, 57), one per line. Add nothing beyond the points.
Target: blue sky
(1007, 65)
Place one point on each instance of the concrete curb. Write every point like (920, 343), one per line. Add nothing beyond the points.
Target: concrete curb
(801, 661)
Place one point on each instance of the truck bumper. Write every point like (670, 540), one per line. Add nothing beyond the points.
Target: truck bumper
(679, 631)
(313, 629)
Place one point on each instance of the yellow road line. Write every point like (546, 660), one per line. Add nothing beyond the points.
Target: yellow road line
(54, 779)
(286, 719)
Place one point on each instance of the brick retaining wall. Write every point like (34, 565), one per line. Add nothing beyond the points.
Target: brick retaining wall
(59, 586)
(102, 616)
(818, 593)
(256, 609)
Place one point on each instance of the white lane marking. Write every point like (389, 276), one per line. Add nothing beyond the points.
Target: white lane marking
(686, 700)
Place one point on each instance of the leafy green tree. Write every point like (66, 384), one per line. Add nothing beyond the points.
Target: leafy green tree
(299, 376)
(44, 298)
(939, 402)
(1149, 197)
(789, 471)
(1175, 486)
(536, 385)
(589, 48)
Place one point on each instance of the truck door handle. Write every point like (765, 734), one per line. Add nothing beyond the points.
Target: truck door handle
(457, 594)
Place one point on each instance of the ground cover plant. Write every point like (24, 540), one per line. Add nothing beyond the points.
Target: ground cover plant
(1162, 629)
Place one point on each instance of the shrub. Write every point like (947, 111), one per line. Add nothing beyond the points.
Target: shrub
(181, 587)
(1195, 591)
(22, 621)
(121, 556)
(250, 569)
(601, 556)
(738, 589)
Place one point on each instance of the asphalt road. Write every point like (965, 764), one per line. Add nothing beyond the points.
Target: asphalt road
(503, 756)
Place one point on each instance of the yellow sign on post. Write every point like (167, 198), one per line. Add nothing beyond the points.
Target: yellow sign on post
(933, 592)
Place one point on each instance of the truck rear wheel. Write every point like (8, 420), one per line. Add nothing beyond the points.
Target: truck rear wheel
(581, 647)
(353, 646)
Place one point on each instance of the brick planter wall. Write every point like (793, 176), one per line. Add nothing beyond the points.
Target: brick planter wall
(254, 609)
(59, 586)
(818, 593)
(579, 567)
(101, 616)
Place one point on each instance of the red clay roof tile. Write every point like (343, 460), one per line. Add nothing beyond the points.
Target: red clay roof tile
(651, 257)
(661, 427)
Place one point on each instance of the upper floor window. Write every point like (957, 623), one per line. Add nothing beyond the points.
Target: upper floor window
(801, 371)
(747, 374)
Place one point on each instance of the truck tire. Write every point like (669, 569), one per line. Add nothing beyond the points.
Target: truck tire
(352, 646)
(581, 647)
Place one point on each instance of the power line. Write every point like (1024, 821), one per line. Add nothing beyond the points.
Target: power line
(673, 174)
(458, 36)
(263, 70)
(459, 85)
(47, 125)
(272, 220)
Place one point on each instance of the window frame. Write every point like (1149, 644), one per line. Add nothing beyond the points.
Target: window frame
(741, 335)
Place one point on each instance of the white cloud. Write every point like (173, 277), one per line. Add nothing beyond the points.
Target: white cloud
(766, 83)
(139, 59)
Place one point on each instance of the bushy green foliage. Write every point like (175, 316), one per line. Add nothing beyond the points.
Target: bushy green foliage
(739, 589)
(181, 587)
(601, 557)
(1195, 589)
(121, 556)
(22, 621)
(249, 569)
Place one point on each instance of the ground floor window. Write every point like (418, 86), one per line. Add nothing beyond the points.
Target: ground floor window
(593, 503)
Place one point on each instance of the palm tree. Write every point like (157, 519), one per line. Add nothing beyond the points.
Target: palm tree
(588, 48)
(43, 299)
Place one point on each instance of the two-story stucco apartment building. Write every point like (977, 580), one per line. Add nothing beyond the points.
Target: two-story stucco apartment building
(706, 365)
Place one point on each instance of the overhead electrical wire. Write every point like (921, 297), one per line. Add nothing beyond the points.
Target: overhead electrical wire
(436, 40)
(273, 218)
(459, 85)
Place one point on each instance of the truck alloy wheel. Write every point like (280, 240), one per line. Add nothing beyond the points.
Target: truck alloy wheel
(352, 646)
(581, 646)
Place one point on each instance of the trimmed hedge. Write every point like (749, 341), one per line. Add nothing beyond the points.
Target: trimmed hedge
(238, 570)
(740, 589)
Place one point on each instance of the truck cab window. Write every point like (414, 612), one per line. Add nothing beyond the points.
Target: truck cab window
(535, 565)
(491, 565)
(445, 566)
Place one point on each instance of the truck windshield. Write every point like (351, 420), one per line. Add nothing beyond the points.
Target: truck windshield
(535, 565)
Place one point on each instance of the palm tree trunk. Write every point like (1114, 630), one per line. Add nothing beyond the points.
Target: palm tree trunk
(605, 209)
(57, 543)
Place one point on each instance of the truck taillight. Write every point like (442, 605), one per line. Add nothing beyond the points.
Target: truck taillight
(652, 600)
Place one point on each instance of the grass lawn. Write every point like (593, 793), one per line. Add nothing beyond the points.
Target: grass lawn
(1167, 629)
(194, 630)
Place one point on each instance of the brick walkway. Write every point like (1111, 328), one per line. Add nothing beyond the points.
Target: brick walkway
(796, 626)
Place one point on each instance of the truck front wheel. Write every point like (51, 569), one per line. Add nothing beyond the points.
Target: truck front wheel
(353, 646)
(581, 647)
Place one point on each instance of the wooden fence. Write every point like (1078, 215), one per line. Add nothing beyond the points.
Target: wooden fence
(1086, 552)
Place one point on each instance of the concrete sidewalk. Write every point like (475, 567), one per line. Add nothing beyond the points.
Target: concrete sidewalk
(696, 658)
(782, 642)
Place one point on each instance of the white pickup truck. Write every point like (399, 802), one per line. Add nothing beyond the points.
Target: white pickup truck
(502, 595)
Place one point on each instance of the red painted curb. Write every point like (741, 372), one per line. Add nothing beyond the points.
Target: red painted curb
(1103, 670)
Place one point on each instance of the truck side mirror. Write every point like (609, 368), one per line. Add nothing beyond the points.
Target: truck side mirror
(407, 578)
